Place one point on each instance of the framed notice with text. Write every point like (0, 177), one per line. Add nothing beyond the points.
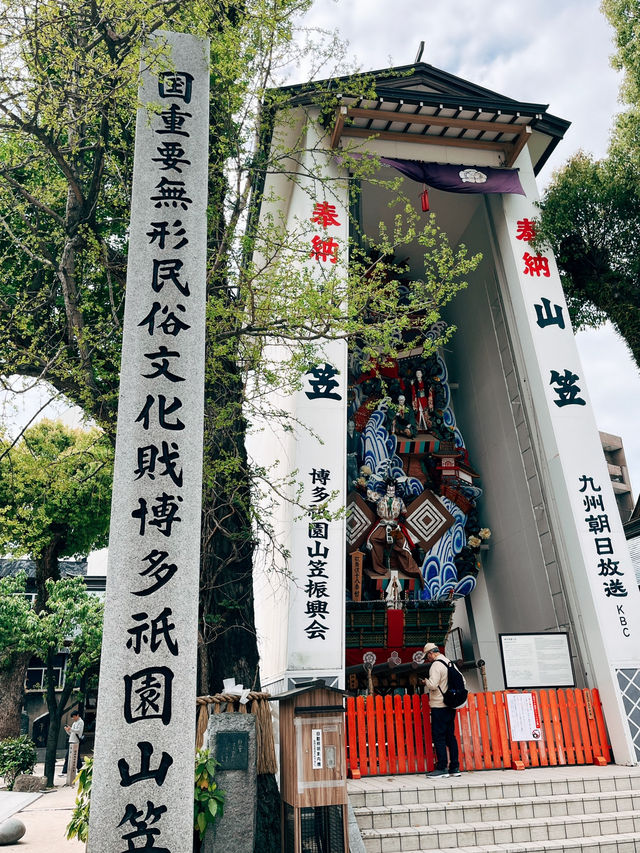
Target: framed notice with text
(536, 660)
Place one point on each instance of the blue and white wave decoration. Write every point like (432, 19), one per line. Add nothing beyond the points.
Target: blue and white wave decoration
(379, 453)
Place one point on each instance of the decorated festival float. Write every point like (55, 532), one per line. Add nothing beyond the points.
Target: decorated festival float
(413, 532)
(469, 497)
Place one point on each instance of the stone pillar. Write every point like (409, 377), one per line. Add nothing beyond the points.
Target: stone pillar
(142, 792)
(232, 743)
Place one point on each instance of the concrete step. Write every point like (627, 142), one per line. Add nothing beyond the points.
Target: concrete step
(480, 786)
(474, 811)
(602, 844)
(571, 830)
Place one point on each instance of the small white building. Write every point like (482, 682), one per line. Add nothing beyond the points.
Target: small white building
(505, 405)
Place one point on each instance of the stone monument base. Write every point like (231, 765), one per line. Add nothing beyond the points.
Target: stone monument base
(232, 743)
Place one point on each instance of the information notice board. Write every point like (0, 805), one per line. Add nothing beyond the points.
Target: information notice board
(536, 660)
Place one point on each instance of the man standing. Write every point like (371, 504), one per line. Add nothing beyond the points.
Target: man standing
(75, 732)
(442, 718)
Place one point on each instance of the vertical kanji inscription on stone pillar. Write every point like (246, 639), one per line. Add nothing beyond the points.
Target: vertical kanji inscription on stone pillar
(142, 792)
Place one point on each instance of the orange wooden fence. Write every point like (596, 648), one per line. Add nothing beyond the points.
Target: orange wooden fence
(392, 734)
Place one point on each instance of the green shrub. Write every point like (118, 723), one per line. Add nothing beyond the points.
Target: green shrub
(79, 824)
(208, 798)
(17, 755)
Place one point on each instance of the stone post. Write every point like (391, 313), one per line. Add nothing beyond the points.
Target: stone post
(142, 790)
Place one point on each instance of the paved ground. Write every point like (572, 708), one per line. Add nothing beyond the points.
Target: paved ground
(45, 816)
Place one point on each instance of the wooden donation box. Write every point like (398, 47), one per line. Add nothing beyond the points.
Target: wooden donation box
(313, 775)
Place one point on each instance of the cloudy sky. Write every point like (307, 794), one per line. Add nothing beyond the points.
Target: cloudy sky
(553, 52)
(557, 53)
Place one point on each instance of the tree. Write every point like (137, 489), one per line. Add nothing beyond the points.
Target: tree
(63, 298)
(14, 613)
(591, 218)
(55, 497)
(591, 210)
(63, 203)
(72, 621)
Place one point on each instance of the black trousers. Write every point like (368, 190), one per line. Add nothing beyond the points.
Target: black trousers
(444, 737)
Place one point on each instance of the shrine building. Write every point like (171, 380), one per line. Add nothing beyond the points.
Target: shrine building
(477, 509)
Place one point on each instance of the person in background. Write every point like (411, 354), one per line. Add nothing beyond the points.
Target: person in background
(443, 719)
(75, 732)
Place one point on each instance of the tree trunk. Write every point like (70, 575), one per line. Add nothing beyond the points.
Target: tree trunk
(55, 718)
(47, 568)
(226, 588)
(56, 707)
(12, 677)
(227, 624)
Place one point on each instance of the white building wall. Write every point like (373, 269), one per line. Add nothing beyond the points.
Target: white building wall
(519, 588)
(291, 651)
(573, 469)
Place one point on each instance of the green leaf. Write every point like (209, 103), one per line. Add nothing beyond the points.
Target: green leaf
(202, 823)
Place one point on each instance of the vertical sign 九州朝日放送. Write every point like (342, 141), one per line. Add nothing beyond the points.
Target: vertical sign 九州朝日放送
(142, 798)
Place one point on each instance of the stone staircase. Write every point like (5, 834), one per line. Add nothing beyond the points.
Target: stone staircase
(539, 810)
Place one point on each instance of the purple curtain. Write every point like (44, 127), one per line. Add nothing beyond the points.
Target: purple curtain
(457, 179)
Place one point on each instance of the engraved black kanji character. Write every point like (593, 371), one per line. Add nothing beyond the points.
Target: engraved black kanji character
(316, 589)
(165, 513)
(161, 364)
(171, 156)
(319, 494)
(320, 550)
(609, 567)
(170, 325)
(158, 569)
(584, 480)
(593, 502)
(173, 120)
(316, 630)
(323, 382)
(141, 513)
(567, 389)
(320, 475)
(316, 569)
(163, 411)
(615, 588)
(603, 546)
(319, 530)
(149, 455)
(545, 317)
(152, 632)
(175, 84)
(171, 194)
(146, 751)
(168, 270)
(143, 827)
(160, 232)
(598, 523)
(147, 695)
(317, 608)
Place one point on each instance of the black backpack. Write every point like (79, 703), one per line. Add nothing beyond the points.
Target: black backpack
(456, 693)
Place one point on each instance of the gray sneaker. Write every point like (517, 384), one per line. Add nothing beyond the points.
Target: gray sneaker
(438, 774)
(455, 773)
